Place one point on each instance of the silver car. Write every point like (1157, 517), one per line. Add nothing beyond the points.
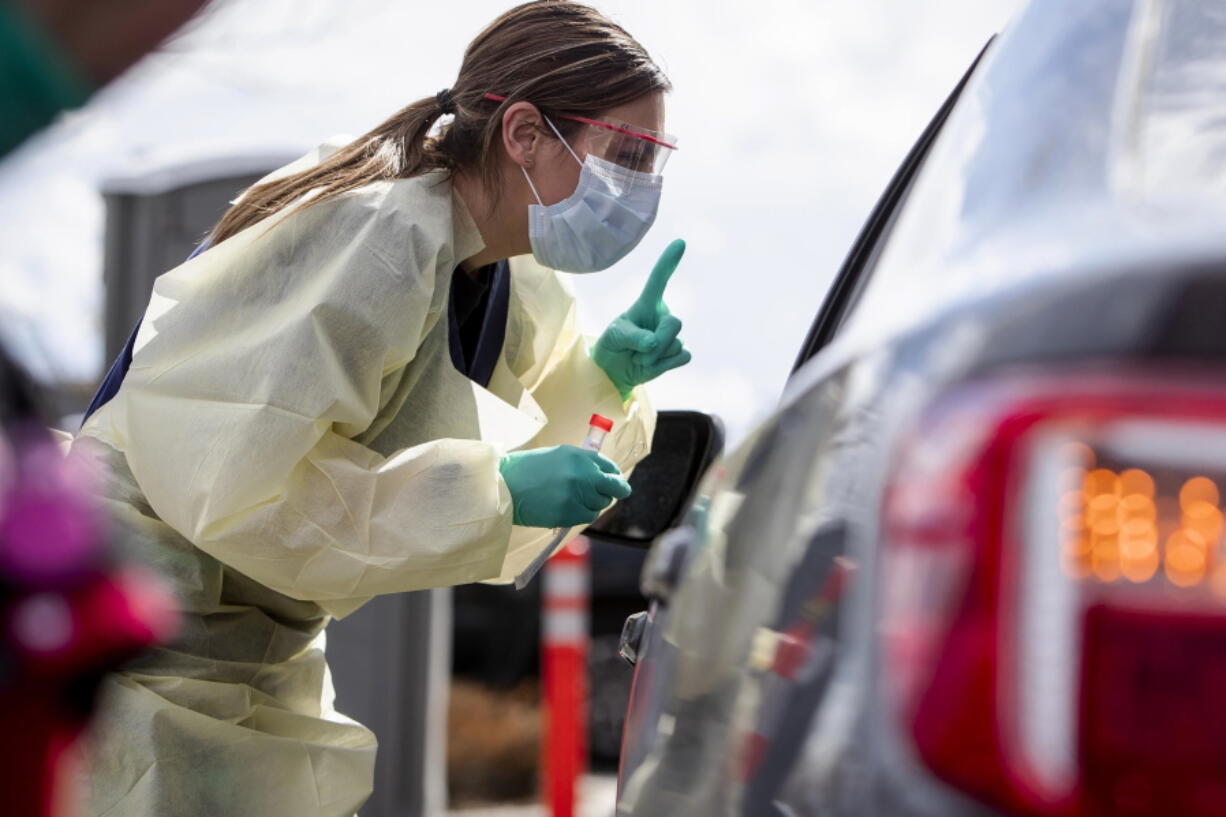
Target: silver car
(973, 565)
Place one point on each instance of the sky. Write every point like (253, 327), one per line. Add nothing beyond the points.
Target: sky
(791, 116)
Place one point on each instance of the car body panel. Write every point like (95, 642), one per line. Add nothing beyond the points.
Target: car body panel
(1030, 242)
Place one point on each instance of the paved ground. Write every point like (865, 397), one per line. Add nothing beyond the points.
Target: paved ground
(596, 800)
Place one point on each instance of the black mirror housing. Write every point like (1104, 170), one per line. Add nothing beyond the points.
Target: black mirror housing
(684, 446)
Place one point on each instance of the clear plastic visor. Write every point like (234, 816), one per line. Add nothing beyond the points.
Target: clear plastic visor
(628, 146)
(625, 145)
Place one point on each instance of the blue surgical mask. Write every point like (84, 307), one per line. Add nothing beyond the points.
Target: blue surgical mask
(606, 217)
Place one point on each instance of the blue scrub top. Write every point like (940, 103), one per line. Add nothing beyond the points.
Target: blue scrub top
(477, 320)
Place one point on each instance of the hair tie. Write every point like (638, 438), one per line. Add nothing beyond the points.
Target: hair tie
(445, 100)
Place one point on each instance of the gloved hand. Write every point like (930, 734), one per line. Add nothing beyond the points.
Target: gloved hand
(562, 486)
(641, 344)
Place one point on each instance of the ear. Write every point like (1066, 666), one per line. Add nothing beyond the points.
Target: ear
(521, 133)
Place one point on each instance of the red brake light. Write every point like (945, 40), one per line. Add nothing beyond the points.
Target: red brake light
(1053, 584)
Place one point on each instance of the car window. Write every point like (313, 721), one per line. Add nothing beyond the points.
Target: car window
(857, 268)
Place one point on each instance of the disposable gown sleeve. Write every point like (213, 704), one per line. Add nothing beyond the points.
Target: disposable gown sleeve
(259, 361)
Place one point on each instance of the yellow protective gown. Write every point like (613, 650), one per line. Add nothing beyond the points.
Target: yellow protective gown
(292, 439)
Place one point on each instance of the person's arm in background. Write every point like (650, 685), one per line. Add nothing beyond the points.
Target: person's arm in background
(55, 53)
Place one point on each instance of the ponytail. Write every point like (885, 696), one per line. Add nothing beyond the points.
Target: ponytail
(395, 149)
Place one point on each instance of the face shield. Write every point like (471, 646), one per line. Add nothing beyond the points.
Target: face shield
(626, 145)
(622, 144)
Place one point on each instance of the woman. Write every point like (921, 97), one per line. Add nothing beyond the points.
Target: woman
(352, 391)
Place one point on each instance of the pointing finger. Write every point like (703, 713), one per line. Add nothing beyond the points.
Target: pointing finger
(653, 292)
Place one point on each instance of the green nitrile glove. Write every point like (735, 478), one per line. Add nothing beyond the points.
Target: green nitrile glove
(641, 344)
(562, 486)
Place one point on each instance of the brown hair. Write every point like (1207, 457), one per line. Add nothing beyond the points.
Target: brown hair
(563, 57)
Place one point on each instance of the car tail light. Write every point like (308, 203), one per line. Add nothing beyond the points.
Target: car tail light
(1054, 598)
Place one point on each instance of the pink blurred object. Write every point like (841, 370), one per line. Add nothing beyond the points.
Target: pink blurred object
(58, 646)
(68, 614)
(50, 530)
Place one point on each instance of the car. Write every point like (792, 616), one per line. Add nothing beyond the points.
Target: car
(973, 563)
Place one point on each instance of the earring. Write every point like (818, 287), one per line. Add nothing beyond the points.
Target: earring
(528, 162)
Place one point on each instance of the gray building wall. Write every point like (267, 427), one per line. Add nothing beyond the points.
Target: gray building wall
(148, 233)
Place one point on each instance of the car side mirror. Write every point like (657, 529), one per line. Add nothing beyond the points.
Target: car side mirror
(685, 444)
